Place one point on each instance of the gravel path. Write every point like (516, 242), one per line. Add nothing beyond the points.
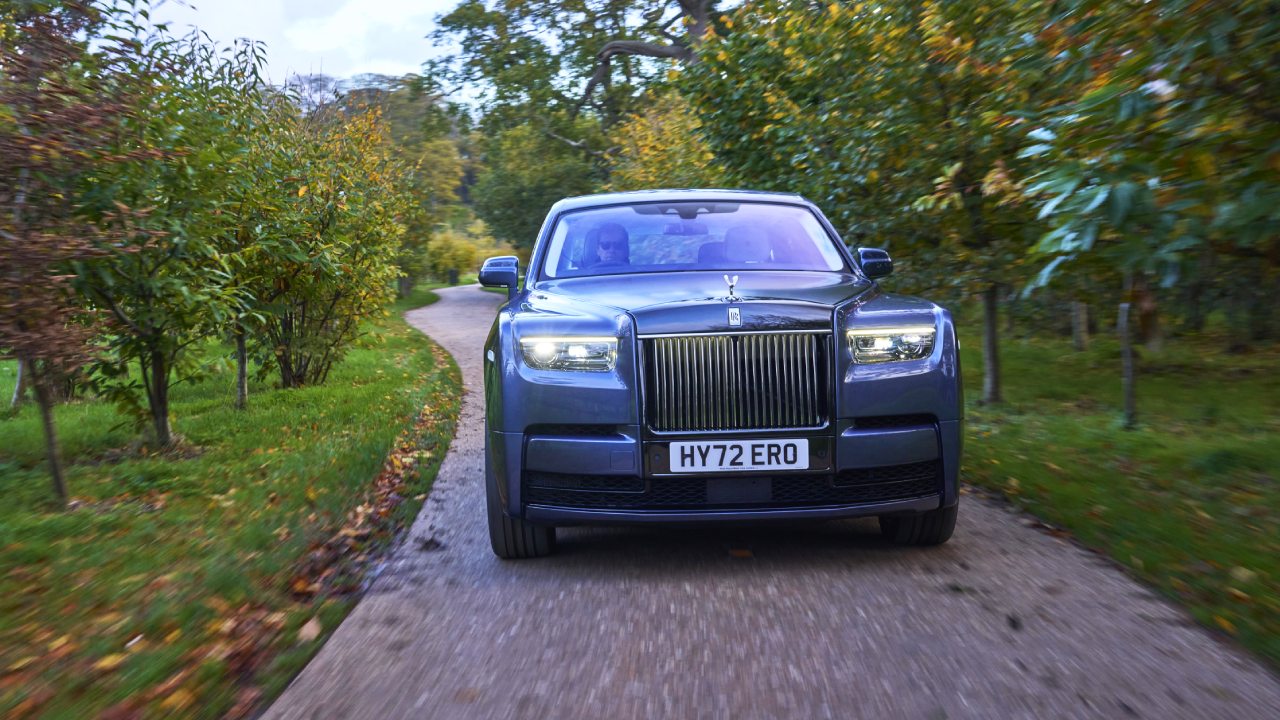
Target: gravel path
(805, 621)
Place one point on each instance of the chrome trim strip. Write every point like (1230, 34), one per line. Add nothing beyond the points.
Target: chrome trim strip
(816, 331)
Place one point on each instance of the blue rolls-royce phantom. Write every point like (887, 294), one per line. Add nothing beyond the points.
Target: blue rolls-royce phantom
(713, 355)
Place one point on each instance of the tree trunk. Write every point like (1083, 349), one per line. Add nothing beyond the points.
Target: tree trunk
(286, 370)
(1127, 374)
(404, 286)
(20, 385)
(44, 398)
(1080, 325)
(991, 346)
(1260, 309)
(1196, 290)
(1149, 330)
(1195, 307)
(242, 370)
(1009, 312)
(158, 397)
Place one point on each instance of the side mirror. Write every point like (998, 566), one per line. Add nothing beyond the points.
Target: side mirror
(501, 271)
(875, 263)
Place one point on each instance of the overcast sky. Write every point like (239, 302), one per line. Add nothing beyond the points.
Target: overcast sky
(335, 37)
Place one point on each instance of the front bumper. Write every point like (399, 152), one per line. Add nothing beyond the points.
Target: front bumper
(615, 475)
(552, 515)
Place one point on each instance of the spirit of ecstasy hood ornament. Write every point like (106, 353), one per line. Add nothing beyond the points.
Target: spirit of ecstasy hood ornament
(732, 281)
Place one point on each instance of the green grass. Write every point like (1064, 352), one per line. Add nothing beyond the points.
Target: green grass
(1189, 501)
(169, 587)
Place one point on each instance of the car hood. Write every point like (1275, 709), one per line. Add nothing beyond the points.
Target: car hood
(700, 301)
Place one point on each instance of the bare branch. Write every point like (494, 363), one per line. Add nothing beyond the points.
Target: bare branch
(578, 144)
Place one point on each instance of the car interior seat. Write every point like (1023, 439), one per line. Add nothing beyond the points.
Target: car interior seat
(589, 256)
(746, 244)
(711, 253)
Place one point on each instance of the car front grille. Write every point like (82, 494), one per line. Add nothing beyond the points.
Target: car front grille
(850, 487)
(748, 381)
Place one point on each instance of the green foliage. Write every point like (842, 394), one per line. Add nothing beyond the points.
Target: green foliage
(661, 146)
(1169, 145)
(460, 250)
(915, 151)
(186, 199)
(535, 59)
(525, 172)
(551, 72)
(341, 227)
(425, 136)
(166, 283)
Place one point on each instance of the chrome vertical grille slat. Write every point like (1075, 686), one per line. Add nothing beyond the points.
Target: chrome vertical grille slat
(743, 381)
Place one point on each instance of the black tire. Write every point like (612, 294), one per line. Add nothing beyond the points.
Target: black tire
(513, 538)
(927, 528)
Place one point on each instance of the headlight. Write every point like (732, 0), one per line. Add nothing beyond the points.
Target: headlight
(891, 344)
(592, 354)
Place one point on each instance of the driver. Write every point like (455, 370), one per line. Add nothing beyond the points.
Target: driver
(613, 246)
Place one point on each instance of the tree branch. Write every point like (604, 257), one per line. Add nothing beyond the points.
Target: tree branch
(628, 47)
(116, 310)
(578, 144)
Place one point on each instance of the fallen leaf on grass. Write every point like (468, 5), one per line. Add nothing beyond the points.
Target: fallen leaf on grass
(302, 587)
(1242, 574)
(1238, 595)
(20, 664)
(110, 662)
(180, 700)
(1225, 624)
(309, 631)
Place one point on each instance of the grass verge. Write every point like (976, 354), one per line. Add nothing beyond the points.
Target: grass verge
(1189, 501)
(188, 585)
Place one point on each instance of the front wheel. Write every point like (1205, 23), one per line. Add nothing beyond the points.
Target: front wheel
(513, 538)
(927, 528)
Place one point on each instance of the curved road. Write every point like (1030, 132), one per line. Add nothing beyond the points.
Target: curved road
(783, 622)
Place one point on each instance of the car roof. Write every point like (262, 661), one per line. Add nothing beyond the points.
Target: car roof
(674, 195)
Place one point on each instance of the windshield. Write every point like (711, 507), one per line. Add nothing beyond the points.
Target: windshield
(666, 237)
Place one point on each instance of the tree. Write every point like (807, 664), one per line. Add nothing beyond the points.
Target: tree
(425, 137)
(661, 147)
(167, 286)
(1168, 151)
(344, 226)
(262, 233)
(524, 173)
(563, 56)
(459, 247)
(565, 72)
(57, 114)
(916, 150)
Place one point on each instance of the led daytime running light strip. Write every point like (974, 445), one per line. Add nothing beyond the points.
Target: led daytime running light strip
(886, 331)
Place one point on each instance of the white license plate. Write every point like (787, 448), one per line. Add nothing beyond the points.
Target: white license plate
(739, 455)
